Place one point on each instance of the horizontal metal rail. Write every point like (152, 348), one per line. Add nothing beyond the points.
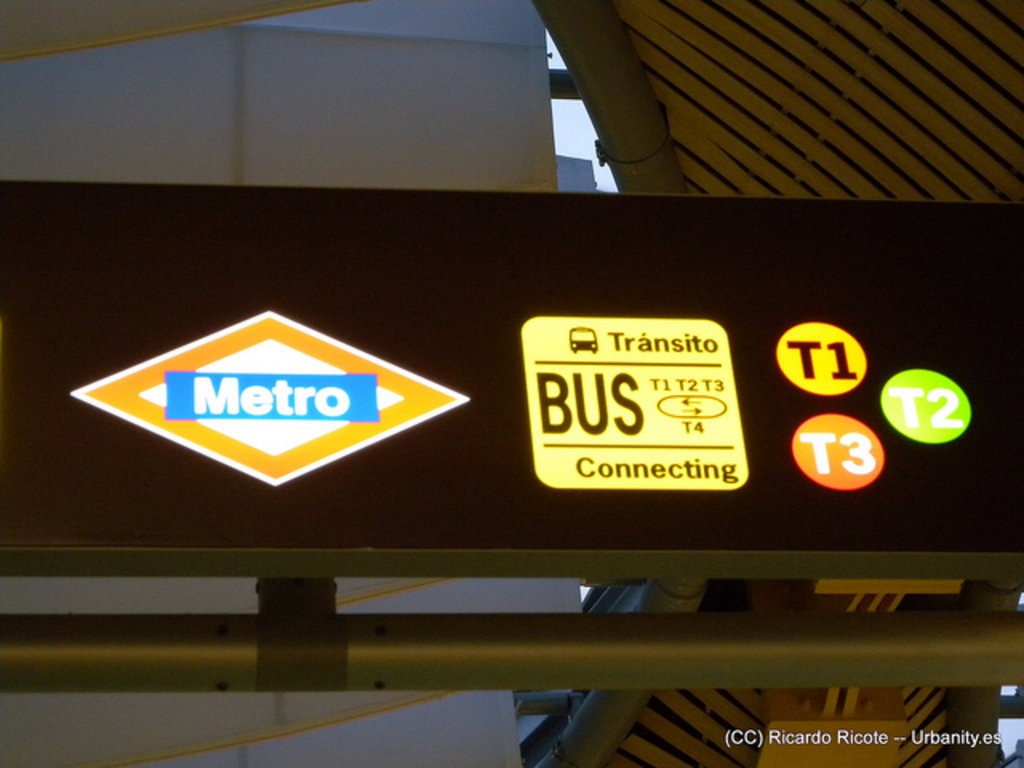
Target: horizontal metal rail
(531, 651)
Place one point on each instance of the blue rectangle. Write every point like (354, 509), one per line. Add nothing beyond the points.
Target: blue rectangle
(192, 395)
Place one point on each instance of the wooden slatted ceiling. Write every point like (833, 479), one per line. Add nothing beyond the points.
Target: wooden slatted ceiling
(926, 711)
(840, 98)
(687, 728)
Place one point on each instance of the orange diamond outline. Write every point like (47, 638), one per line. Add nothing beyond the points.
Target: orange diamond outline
(120, 395)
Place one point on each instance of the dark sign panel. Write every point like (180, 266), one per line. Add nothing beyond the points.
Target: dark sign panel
(348, 374)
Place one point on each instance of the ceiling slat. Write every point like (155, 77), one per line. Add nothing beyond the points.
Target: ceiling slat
(699, 176)
(640, 748)
(925, 708)
(837, 92)
(923, 757)
(960, 126)
(1011, 9)
(979, 16)
(862, 57)
(685, 742)
(738, 161)
(840, 100)
(721, 704)
(939, 65)
(710, 728)
(761, 124)
(818, 77)
(802, 169)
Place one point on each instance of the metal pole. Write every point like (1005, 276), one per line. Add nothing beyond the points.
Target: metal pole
(127, 653)
(610, 79)
(500, 652)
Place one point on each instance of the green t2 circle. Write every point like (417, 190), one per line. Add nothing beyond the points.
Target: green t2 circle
(926, 406)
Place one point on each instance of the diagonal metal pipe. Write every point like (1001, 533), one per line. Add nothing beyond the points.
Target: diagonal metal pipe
(605, 717)
(630, 124)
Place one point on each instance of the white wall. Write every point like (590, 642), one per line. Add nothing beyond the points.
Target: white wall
(440, 94)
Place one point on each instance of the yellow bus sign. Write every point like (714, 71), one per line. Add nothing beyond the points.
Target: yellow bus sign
(629, 403)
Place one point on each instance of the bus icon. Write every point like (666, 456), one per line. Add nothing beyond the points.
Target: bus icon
(583, 339)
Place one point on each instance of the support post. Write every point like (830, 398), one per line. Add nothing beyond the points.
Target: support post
(300, 644)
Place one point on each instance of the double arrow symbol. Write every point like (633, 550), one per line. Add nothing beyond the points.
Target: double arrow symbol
(692, 406)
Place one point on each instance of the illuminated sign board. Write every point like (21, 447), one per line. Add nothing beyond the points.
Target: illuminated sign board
(644, 404)
(270, 397)
(240, 380)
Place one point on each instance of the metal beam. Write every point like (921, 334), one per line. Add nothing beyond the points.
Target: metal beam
(521, 651)
(595, 565)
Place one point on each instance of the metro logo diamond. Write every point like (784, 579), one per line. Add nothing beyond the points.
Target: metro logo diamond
(270, 397)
